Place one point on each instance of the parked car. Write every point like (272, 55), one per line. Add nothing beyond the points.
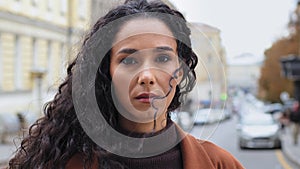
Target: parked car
(273, 108)
(258, 130)
(183, 119)
(210, 115)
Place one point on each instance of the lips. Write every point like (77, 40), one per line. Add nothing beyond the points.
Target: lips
(145, 97)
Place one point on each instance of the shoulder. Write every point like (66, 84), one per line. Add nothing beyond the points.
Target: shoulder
(76, 162)
(218, 157)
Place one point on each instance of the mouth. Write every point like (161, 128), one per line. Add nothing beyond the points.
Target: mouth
(146, 97)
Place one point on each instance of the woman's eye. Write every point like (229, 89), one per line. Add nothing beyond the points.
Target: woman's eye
(128, 61)
(163, 58)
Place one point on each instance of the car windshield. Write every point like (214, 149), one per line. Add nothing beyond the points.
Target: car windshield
(258, 120)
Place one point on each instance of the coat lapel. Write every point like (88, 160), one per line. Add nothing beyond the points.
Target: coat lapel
(193, 154)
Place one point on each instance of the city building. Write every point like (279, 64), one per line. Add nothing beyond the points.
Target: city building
(101, 7)
(211, 69)
(239, 78)
(37, 39)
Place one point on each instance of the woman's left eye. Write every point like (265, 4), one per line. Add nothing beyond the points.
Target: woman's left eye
(163, 58)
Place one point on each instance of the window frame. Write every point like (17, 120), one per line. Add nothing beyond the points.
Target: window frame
(18, 78)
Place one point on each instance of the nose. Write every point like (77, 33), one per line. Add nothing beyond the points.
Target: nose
(146, 77)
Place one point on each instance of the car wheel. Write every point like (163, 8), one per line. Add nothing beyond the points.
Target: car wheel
(278, 145)
(242, 147)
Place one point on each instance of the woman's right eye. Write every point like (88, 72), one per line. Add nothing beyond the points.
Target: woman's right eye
(128, 61)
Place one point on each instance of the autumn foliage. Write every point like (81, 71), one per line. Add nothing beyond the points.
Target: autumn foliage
(271, 81)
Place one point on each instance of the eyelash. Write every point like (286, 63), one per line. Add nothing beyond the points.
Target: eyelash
(165, 58)
(131, 59)
(159, 59)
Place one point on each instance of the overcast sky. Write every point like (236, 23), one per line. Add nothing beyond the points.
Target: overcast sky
(247, 26)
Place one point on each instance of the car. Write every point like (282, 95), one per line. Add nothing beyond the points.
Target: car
(258, 130)
(210, 115)
(183, 119)
(273, 108)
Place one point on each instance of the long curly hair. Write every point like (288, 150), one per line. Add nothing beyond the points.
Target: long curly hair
(56, 137)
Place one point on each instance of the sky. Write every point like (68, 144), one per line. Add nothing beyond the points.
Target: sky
(248, 27)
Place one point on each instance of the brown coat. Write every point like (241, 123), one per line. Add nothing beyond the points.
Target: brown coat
(196, 154)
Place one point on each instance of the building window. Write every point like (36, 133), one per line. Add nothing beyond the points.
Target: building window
(211, 40)
(64, 7)
(34, 2)
(16, 5)
(1, 63)
(63, 60)
(34, 53)
(50, 63)
(50, 5)
(82, 9)
(209, 58)
(18, 64)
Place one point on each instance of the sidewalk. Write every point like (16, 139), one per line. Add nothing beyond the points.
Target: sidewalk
(11, 103)
(291, 151)
(7, 150)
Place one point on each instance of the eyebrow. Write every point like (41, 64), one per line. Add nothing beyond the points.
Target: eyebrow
(157, 49)
(128, 51)
(164, 48)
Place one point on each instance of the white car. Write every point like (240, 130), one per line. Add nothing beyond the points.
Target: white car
(183, 119)
(258, 130)
(210, 115)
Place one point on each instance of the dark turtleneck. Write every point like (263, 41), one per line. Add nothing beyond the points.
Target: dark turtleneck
(170, 159)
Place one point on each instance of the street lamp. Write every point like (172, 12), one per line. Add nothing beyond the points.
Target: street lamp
(290, 68)
(291, 64)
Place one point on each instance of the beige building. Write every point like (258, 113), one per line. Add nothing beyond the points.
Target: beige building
(37, 37)
(101, 7)
(211, 69)
(244, 72)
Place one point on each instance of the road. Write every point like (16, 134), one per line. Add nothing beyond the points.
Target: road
(224, 134)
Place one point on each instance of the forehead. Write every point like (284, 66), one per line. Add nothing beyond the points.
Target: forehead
(140, 26)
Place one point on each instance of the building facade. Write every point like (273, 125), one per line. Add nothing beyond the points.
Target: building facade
(211, 69)
(39, 37)
(37, 40)
(239, 78)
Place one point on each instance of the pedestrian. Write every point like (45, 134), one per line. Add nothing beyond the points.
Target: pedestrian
(113, 110)
(284, 120)
(295, 119)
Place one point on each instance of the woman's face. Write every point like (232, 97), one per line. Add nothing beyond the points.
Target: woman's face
(143, 61)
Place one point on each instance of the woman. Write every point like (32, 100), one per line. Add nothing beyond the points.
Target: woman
(135, 65)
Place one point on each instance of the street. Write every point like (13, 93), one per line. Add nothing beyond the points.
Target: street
(224, 135)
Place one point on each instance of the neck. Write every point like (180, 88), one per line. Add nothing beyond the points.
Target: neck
(149, 127)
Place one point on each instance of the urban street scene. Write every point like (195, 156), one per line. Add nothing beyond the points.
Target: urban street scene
(95, 83)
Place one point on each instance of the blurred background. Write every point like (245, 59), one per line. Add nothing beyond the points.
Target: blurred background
(247, 78)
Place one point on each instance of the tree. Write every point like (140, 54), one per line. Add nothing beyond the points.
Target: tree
(271, 83)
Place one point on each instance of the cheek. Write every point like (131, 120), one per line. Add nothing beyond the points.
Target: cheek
(122, 84)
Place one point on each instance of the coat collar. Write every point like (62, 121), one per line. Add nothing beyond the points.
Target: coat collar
(193, 153)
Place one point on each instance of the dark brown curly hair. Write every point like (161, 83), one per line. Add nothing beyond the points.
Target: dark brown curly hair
(56, 137)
